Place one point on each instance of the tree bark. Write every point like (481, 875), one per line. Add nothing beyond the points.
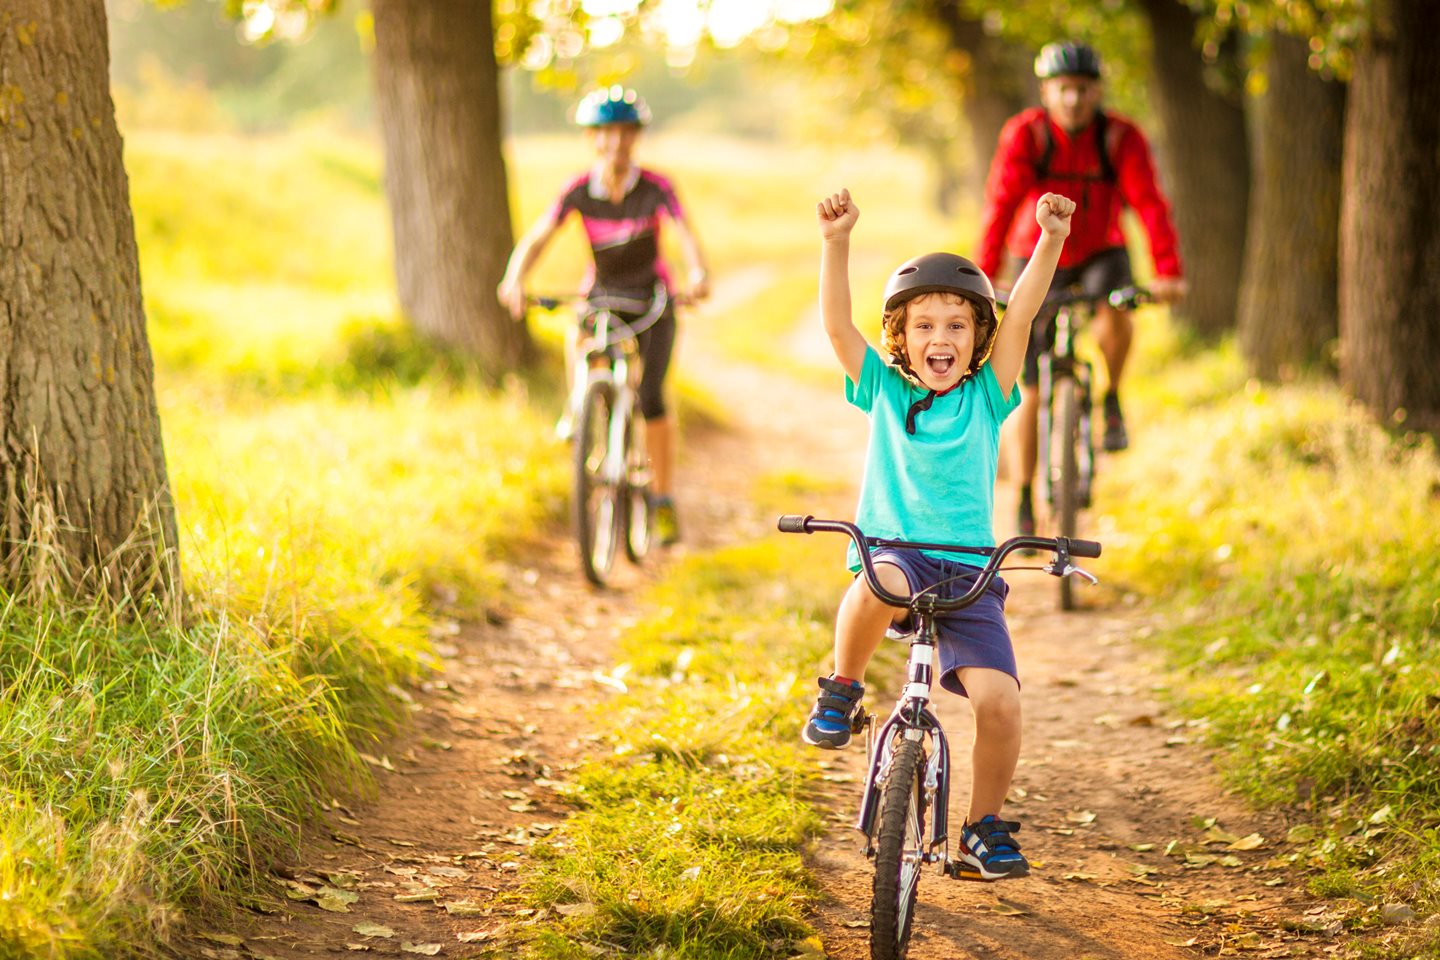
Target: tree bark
(1206, 165)
(1289, 294)
(437, 93)
(82, 467)
(1389, 242)
(1000, 84)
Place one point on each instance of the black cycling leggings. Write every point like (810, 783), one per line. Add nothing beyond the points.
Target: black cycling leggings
(656, 345)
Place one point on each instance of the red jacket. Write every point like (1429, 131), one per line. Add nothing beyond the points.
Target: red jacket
(1074, 171)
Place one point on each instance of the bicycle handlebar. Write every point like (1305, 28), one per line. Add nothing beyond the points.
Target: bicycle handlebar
(1123, 298)
(1063, 547)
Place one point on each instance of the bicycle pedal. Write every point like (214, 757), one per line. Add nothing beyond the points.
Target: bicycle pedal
(859, 721)
(960, 870)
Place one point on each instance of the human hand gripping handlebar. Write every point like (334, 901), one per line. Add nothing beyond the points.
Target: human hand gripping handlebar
(1063, 547)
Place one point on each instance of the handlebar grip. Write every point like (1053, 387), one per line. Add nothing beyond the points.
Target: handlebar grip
(1084, 548)
(793, 523)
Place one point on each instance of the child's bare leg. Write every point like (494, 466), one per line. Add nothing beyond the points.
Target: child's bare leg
(995, 698)
(861, 622)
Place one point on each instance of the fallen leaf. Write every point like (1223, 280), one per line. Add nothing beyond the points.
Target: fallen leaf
(418, 896)
(474, 936)
(1253, 842)
(1184, 943)
(454, 872)
(228, 939)
(1080, 816)
(383, 762)
(428, 949)
(575, 909)
(464, 908)
(367, 929)
(1079, 876)
(1007, 909)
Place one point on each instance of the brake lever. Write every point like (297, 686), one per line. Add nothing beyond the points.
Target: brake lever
(1055, 570)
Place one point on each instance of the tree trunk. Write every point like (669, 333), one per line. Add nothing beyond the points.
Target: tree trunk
(1000, 84)
(1389, 244)
(1206, 163)
(1288, 298)
(87, 507)
(437, 93)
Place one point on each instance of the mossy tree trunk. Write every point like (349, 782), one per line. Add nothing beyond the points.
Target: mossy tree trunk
(1389, 240)
(437, 91)
(1206, 165)
(1288, 298)
(82, 468)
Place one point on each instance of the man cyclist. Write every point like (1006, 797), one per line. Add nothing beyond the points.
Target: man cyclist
(1070, 145)
(621, 206)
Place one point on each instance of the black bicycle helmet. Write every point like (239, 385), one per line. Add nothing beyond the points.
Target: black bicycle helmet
(935, 272)
(1067, 59)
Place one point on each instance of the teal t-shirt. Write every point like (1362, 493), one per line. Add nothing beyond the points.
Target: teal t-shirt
(937, 485)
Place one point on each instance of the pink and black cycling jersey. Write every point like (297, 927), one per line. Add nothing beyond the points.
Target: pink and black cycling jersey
(624, 236)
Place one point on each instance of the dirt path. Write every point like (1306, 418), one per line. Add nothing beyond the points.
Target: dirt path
(1107, 779)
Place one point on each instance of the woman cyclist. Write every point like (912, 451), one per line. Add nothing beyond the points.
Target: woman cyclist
(622, 206)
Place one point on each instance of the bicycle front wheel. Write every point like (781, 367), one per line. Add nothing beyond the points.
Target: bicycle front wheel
(1067, 461)
(635, 491)
(596, 500)
(899, 853)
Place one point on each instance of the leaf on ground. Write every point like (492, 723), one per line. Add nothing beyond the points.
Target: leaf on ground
(1253, 842)
(575, 909)
(1080, 816)
(1216, 835)
(474, 936)
(357, 946)
(332, 904)
(1007, 909)
(856, 924)
(428, 949)
(367, 929)
(463, 908)
(1300, 833)
(418, 896)
(402, 843)
(382, 762)
(453, 872)
(1184, 943)
(228, 939)
(1079, 876)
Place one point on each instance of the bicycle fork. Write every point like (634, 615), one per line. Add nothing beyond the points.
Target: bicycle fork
(912, 719)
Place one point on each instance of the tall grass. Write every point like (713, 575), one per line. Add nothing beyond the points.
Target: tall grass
(336, 495)
(1292, 542)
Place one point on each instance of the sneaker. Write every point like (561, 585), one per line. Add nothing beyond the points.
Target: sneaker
(835, 708)
(667, 522)
(989, 850)
(1115, 436)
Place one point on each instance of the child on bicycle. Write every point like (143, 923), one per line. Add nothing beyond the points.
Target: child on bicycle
(622, 206)
(936, 402)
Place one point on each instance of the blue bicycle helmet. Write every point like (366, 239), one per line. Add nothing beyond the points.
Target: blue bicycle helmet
(1067, 59)
(615, 104)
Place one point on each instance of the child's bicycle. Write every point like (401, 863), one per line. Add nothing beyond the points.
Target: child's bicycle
(1065, 437)
(909, 759)
(612, 470)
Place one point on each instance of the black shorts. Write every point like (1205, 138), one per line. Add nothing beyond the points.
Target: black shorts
(1107, 270)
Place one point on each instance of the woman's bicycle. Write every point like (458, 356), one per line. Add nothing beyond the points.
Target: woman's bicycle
(1065, 433)
(909, 757)
(612, 504)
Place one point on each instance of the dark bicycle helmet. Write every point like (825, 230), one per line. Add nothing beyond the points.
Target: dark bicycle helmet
(1069, 58)
(935, 272)
(615, 104)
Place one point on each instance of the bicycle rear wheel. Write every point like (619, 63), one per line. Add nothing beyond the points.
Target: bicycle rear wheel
(636, 512)
(1065, 457)
(899, 853)
(596, 501)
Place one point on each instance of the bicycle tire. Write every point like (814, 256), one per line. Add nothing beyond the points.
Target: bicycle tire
(636, 512)
(596, 519)
(1066, 421)
(899, 843)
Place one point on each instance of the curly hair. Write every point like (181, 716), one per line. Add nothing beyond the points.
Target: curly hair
(892, 331)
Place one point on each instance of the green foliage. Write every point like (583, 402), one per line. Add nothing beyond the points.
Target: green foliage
(1293, 541)
(1333, 27)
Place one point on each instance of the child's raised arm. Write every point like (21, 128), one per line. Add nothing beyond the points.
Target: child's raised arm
(836, 215)
(1052, 212)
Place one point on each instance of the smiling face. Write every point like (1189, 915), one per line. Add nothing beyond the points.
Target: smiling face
(940, 332)
(615, 144)
(1071, 101)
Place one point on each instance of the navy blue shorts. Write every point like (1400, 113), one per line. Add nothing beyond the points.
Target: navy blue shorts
(976, 636)
(1105, 271)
